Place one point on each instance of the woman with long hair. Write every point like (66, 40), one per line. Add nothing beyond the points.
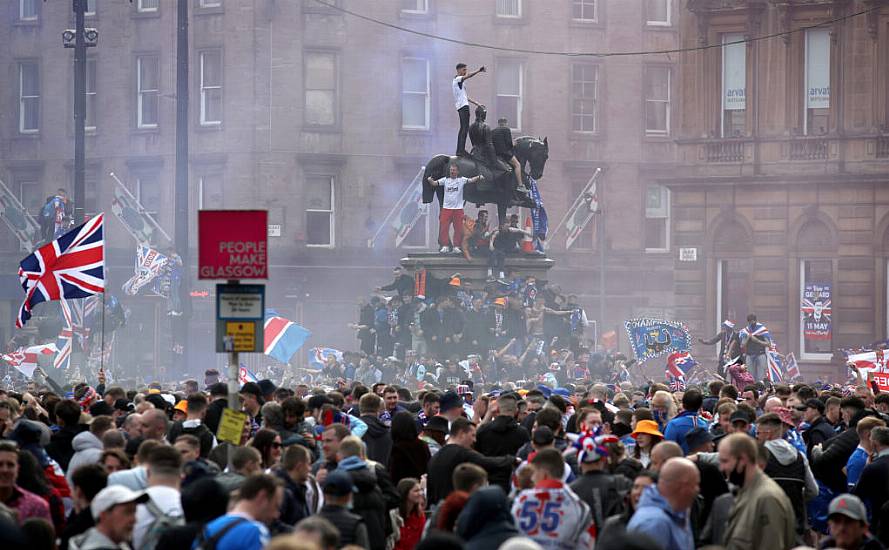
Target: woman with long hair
(268, 443)
(410, 455)
(410, 511)
(647, 436)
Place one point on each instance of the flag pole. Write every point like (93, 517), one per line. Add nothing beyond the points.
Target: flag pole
(102, 349)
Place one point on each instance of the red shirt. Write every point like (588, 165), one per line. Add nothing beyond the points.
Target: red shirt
(411, 532)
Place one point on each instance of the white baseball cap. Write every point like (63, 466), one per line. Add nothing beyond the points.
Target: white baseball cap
(112, 496)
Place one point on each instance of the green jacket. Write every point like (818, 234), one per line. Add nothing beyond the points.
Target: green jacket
(762, 518)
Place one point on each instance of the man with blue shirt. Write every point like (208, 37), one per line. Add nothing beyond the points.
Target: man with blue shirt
(689, 418)
(865, 449)
(244, 528)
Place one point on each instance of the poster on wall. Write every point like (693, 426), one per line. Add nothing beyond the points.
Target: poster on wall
(816, 311)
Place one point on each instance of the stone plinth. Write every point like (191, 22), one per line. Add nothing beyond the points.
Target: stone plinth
(475, 271)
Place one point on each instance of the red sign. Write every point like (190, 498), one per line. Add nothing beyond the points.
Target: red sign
(233, 244)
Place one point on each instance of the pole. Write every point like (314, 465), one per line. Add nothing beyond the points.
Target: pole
(180, 322)
(79, 111)
(600, 237)
(234, 387)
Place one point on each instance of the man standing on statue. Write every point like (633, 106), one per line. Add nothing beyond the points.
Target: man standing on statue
(462, 101)
(451, 209)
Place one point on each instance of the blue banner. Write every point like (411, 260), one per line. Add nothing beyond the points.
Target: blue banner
(538, 215)
(652, 338)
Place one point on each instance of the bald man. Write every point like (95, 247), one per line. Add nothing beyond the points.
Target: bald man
(663, 511)
(662, 452)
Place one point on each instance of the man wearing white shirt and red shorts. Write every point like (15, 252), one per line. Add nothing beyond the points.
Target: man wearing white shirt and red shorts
(451, 209)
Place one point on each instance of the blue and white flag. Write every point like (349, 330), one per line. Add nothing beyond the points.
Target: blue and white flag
(776, 365)
(246, 375)
(318, 356)
(538, 215)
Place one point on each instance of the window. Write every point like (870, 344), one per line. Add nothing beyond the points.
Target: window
(414, 93)
(90, 8)
(148, 192)
(91, 87)
(734, 85)
(509, 92)
(211, 88)
(817, 81)
(657, 219)
(509, 8)
(657, 101)
(147, 5)
(657, 13)
(584, 97)
(28, 10)
(319, 194)
(816, 311)
(585, 10)
(210, 192)
(321, 107)
(210, 3)
(147, 76)
(414, 6)
(29, 98)
(31, 195)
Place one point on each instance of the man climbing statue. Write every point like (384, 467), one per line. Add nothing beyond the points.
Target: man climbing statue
(503, 147)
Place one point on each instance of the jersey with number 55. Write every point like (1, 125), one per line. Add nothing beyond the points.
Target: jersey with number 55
(554, 516)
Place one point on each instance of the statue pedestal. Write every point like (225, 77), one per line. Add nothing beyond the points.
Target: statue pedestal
(475, 272)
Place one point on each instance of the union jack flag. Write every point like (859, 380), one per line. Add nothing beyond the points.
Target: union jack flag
(776, 365)
(72, 266)
(677, 384)
(74, 313)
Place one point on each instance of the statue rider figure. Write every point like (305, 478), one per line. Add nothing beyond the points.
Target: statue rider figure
(503, 146)
(483, 145)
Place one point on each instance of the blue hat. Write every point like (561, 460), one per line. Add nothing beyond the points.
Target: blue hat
(545, 390)
(339, 483)
(450, 400)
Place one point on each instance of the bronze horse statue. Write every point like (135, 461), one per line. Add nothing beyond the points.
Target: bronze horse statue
(498, 185)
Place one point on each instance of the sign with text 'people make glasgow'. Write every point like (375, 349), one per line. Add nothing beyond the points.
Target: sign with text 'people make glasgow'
(233, 244)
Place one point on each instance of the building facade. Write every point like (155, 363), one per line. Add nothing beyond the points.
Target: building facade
(323, 117)
(781, 193)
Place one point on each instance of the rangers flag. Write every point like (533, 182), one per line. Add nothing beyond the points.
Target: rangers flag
(72, 266)
(791, 367)
(246, 375)
(776, 365)
(318, 356)
(283, 337)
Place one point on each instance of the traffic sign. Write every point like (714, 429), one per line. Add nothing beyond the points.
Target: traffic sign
(240, 318)
(233, 244)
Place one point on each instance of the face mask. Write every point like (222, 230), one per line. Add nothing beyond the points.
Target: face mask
(736, 477)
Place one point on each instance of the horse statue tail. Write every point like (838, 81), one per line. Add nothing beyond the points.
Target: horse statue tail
(436, 168)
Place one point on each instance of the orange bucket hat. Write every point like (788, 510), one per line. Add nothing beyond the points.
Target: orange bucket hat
(646, 427)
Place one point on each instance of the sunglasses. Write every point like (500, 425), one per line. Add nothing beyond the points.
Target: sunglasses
(277, 445)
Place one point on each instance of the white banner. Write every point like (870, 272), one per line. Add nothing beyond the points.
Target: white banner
(818, 69)
(734, 73)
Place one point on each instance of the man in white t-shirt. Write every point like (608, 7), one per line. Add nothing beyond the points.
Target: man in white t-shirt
(461, 102)
(451, 209)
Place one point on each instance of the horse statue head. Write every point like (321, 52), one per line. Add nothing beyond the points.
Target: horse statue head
(535, 152)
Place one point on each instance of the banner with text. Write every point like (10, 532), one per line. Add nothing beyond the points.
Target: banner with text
(734, 72)
(651, 338)
(816, 311)
(233, 244)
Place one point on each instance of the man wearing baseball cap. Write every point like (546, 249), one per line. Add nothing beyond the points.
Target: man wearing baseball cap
(847, 519)
(114, 511)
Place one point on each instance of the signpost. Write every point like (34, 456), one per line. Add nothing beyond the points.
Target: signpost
(233, 245)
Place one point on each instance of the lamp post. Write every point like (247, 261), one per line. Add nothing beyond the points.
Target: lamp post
(80, 39)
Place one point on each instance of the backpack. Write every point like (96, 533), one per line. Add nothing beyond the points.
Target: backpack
(204, 543)
(161, 524)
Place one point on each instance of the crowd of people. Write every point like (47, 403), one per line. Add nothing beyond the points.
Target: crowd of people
(470, 464)
(421, 329)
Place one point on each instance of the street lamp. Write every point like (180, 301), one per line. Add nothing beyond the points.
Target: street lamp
(79, 38)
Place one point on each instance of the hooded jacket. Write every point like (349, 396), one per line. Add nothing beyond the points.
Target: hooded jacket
(486, 521)
(656, 518)
(785, 453)
(377, 438)
(60, 447)
(87, 450)
(369, 502)
(501, 436)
